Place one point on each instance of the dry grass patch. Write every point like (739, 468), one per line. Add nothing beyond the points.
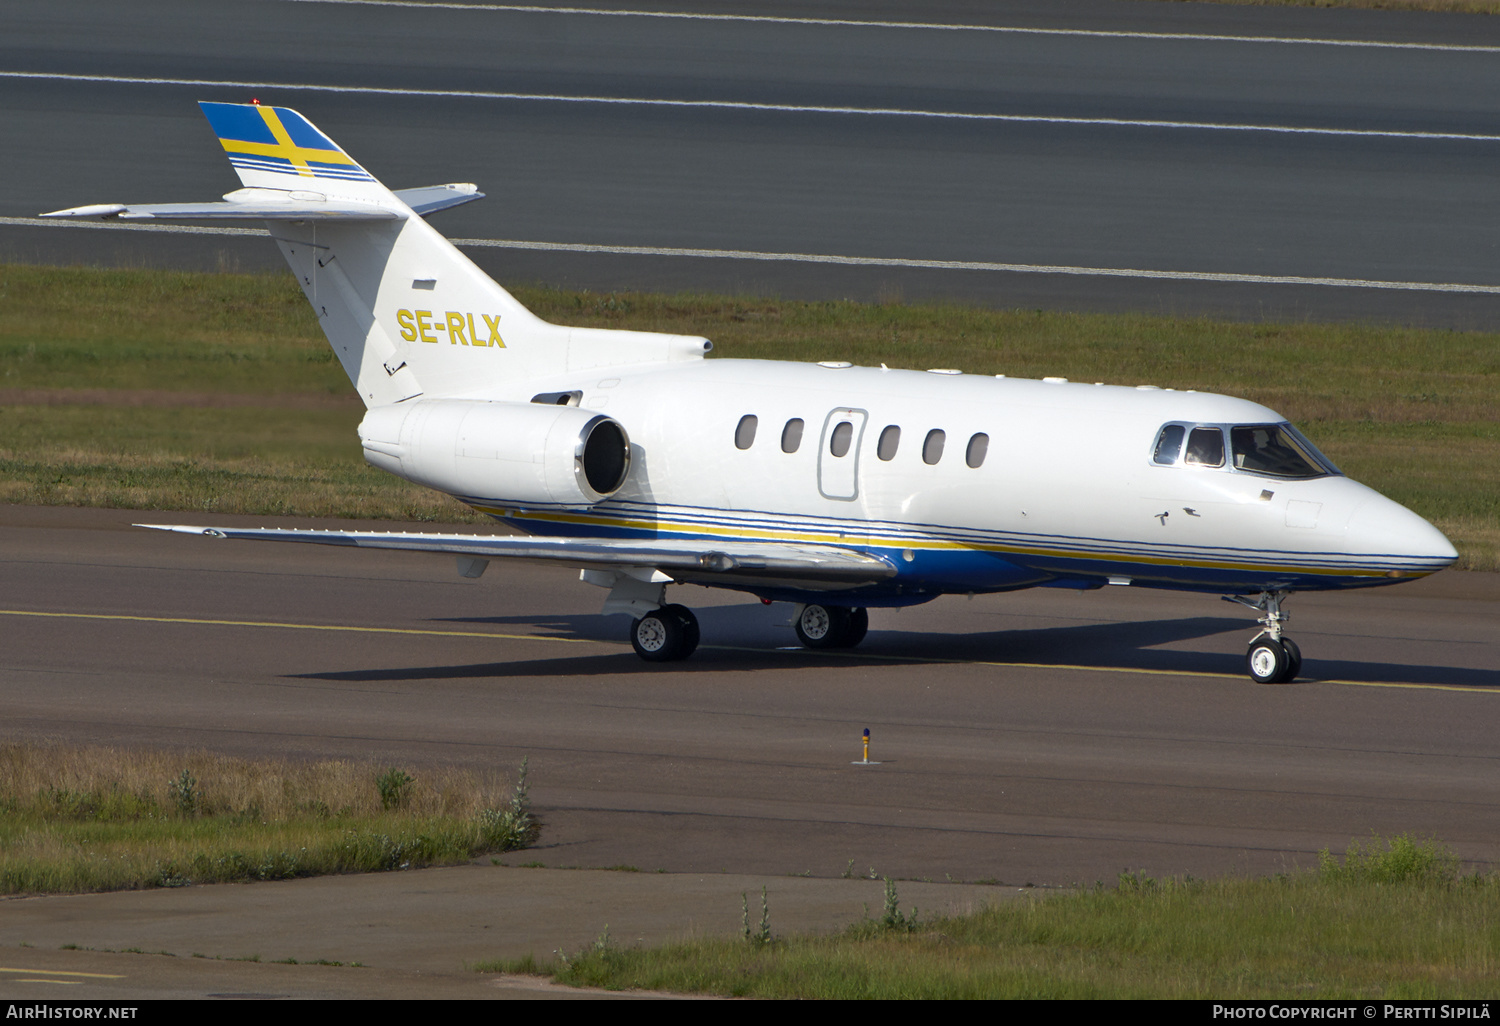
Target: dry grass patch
(88, 819)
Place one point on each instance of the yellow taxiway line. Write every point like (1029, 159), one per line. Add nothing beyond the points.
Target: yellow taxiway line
(860, 656)
(61, 972)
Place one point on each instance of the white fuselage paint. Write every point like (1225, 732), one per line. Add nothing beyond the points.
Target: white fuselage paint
(1068, 487)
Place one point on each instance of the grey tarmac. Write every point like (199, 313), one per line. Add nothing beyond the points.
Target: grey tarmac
(1040, 739)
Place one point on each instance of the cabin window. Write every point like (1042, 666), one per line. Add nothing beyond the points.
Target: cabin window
(791, 435)
(1276, 450)
(979, 445)
(932, 448)
(1205, 448)
(1168, 444)
(890, 441)
(838, 445)
(744, 435)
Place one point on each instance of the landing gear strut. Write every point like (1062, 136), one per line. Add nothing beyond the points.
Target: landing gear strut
(1272, 658)
(665, 635)
(820, 626)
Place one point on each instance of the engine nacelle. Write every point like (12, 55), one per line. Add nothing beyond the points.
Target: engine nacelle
(515, 454)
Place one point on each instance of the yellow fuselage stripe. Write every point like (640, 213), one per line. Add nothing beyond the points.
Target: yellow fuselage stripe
(856, 537)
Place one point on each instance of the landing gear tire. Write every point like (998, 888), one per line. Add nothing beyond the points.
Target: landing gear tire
(856, 629)
(665, 635)
(821, 626)
(1294, 658)
(1269, 661)
(689, 623)
(1273, 658)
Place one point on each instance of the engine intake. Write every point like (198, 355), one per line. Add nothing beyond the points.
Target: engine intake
(520, 454)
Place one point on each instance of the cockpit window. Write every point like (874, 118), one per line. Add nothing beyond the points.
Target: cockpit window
(1271, 450)
(1276, 450)
(1205, 448)
(1168, 444)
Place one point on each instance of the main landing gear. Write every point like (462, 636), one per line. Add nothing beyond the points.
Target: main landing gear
(830, 626)
(1272, 658)
(665, 634)
(670, 633)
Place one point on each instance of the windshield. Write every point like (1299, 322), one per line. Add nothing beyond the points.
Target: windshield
(1277, 450)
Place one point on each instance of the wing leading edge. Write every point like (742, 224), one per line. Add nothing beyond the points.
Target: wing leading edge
(683, 560)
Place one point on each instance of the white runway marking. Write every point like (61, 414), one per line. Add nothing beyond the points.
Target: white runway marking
(926, 26)
(829, 258)
(779, 108)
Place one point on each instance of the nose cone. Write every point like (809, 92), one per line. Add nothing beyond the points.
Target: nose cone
(1391, 537)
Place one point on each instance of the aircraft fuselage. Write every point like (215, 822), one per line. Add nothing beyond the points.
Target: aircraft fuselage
(1068, 489)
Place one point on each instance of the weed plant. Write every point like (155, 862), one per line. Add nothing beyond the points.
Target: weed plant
(1390, 920)
(95, 819)
(394, 786)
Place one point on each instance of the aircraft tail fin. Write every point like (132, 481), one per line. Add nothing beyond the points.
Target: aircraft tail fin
(406, 313)
(277, 148)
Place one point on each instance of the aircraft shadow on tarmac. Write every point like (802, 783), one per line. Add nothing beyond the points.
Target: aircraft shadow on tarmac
(737, 642)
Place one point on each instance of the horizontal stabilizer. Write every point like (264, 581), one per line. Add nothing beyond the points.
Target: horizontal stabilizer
(431, 198)
(683, 559)
(244, 204)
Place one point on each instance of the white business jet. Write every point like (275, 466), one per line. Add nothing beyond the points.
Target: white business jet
(629, 456)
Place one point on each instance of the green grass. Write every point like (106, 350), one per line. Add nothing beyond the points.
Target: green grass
(78, 327)
(1394, 920)
(241, 460)
(1411, 412)
(97, 819)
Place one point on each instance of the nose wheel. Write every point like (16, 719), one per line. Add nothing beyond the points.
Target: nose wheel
(1273, 658)
(1273, 662)
(819, 626)
(665, 635)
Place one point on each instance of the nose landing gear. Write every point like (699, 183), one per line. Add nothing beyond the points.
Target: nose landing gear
(1272, 658)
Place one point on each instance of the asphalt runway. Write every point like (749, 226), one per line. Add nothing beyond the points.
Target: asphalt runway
(1052, 151)
(1025, 743)
(1043, 737)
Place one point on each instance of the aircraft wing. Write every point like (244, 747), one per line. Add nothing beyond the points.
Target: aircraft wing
(682, 559)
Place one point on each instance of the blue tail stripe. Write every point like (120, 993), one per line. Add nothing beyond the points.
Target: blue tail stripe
(237, 121)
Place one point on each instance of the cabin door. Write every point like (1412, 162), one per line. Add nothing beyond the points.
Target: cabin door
(838, 454)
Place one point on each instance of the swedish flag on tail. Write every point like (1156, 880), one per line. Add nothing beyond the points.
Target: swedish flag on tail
(280, 143)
